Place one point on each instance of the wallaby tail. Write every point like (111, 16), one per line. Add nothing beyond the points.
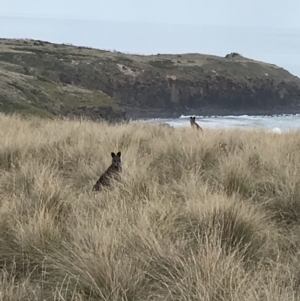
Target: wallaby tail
(198, 127)
(96, 187)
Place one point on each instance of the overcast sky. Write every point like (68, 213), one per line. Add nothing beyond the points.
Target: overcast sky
(257, 13)
(266, 30)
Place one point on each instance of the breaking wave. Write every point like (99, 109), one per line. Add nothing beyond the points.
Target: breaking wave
(276, 123)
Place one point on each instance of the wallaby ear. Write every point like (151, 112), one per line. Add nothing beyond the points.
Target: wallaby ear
(119, 154)
(113, 154)
(191, 117)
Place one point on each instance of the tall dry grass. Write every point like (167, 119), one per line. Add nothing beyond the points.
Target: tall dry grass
(190, 219)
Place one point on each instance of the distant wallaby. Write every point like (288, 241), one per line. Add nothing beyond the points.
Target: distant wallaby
(165, 125)
(112, 172)
(194, 123)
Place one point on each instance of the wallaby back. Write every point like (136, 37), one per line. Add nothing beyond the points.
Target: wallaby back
(111, 172)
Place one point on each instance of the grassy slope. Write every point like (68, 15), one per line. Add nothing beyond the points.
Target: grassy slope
(190, 220)
(27, 87)
(193, 64)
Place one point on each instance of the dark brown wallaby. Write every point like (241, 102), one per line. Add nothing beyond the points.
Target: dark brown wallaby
(112, 172)
(194, 123)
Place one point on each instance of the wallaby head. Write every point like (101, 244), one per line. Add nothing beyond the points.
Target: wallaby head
(116, 159)
(192, 120)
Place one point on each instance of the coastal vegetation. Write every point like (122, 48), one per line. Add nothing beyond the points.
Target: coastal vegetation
(197, 215)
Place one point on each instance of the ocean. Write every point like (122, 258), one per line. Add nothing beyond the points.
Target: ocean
(279, 124)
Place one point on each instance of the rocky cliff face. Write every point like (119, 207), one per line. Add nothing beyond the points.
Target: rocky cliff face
(198, 84)
(62, 79)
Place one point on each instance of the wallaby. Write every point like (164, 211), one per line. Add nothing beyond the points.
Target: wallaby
(112, 172)
(194, 123)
